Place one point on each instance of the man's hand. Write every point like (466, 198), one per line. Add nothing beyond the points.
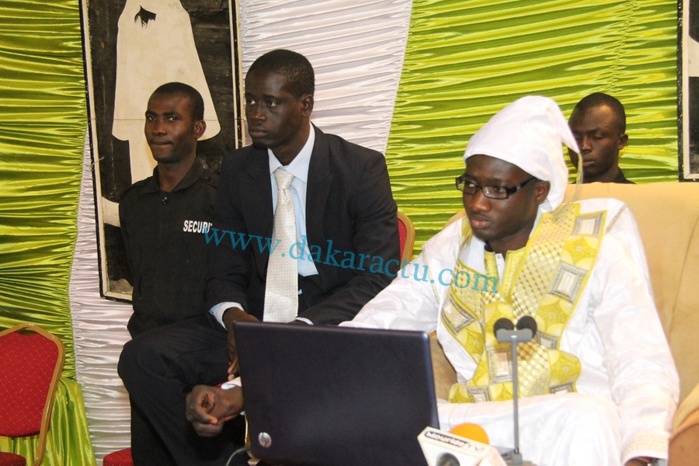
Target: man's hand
(230, 316)
(208, 408)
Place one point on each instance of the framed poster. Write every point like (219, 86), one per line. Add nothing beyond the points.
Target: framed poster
(132, 47)
(689, 157)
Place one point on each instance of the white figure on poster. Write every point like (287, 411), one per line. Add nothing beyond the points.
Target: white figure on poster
(155, 45)
(692, 57)
(692, 43)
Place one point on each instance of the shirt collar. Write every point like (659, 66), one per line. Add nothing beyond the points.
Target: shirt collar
(192, 176)
(299, 166)
(620, 178)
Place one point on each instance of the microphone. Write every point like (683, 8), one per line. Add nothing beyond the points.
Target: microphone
(447, 459)
(527, 322)
(505, 333)
(502, 324)
(448, 449)
(471, 431)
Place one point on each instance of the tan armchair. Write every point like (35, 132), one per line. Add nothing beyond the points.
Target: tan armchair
(668, 219)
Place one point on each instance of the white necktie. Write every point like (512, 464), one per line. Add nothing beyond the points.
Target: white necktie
(281, 291)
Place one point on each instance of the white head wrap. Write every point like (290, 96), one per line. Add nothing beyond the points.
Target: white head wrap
(529, 133)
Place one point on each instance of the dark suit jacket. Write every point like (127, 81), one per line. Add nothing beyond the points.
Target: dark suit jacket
(349, 211)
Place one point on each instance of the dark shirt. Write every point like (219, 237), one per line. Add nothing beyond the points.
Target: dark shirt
(166, 248)
(620, 178)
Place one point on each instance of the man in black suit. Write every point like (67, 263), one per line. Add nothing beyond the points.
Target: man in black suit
(347, 251)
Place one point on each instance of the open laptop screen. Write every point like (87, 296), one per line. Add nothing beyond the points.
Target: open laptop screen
(322, 395)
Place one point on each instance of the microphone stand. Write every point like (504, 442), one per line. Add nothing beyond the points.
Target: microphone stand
(505, 333)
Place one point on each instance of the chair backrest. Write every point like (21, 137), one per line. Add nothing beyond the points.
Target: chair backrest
(31, 362)
(406, 231)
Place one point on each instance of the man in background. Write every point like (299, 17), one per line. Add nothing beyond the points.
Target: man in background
(331, 196)
(164, 219)
(597, 383)
(598, 123)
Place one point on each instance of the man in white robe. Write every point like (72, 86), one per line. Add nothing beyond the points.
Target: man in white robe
(598, 383)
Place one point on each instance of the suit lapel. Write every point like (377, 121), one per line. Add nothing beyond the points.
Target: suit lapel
(257, 199)
(319, 180)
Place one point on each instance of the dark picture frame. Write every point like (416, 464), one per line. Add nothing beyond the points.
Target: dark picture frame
(689, 89)
(130, 48)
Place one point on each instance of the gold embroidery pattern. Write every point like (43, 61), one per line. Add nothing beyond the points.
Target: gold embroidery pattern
(544, 280)
(542, 262)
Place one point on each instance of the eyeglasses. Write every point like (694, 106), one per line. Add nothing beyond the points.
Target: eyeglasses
(491, 192)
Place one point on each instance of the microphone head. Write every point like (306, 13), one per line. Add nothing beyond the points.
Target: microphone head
(447, 459)
(502, 323)
(471, 431)
(527, 322)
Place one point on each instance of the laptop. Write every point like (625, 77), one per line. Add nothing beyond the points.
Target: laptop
(335, 396)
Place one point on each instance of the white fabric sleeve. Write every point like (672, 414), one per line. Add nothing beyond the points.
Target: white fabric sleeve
(643, 380)
(218, 310)
(231, 383)
(413, 299)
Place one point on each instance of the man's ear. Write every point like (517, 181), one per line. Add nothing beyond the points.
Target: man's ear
(199, 128)
(623, 141)
(541, 191)
(307, 103)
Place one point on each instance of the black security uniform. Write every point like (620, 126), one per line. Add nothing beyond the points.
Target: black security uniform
(620, 178)
(164, 236)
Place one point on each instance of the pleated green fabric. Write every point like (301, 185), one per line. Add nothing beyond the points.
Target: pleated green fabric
(467, 59)
(42, 129)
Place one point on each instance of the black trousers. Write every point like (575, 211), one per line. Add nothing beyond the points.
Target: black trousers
(158, 369)
(146, 445)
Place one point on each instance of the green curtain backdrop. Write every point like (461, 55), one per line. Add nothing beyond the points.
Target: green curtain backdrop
(467, 59)
(42, 129)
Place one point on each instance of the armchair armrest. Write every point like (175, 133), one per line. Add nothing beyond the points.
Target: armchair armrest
(444, 373)
(684, 442)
